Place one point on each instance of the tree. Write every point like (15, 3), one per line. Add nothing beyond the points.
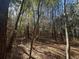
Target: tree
(36, 28)
(66, 33)
(4, 4)
(15, 29)
(38, 4)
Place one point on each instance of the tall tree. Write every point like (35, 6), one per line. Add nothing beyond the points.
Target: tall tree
(4, 4)
(66, 33)
(15, 29)
(36, 27)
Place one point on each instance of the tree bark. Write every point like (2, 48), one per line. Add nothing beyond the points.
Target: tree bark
(4, 4)
(67, 43)
(15, 29)
(66, 33)
(36, 30)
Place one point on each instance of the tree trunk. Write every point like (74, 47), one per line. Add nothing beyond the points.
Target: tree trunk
(4, 4)
(14, 32)
(73, 34)
(36, 31)
(66, 33)
(67, 43)
(54, 32)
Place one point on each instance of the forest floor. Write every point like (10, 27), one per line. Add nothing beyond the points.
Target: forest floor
(45, 51)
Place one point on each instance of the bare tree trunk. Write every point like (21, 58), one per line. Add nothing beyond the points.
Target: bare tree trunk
(61, 36)
(36, 30)
(3, 36)
(66, 33)
(14, 32)
(52, 24)
(73, 34)
(54, 32)
(4, 4)
(54, 27)
(61, 33)
(28, 32)
(67, 43)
